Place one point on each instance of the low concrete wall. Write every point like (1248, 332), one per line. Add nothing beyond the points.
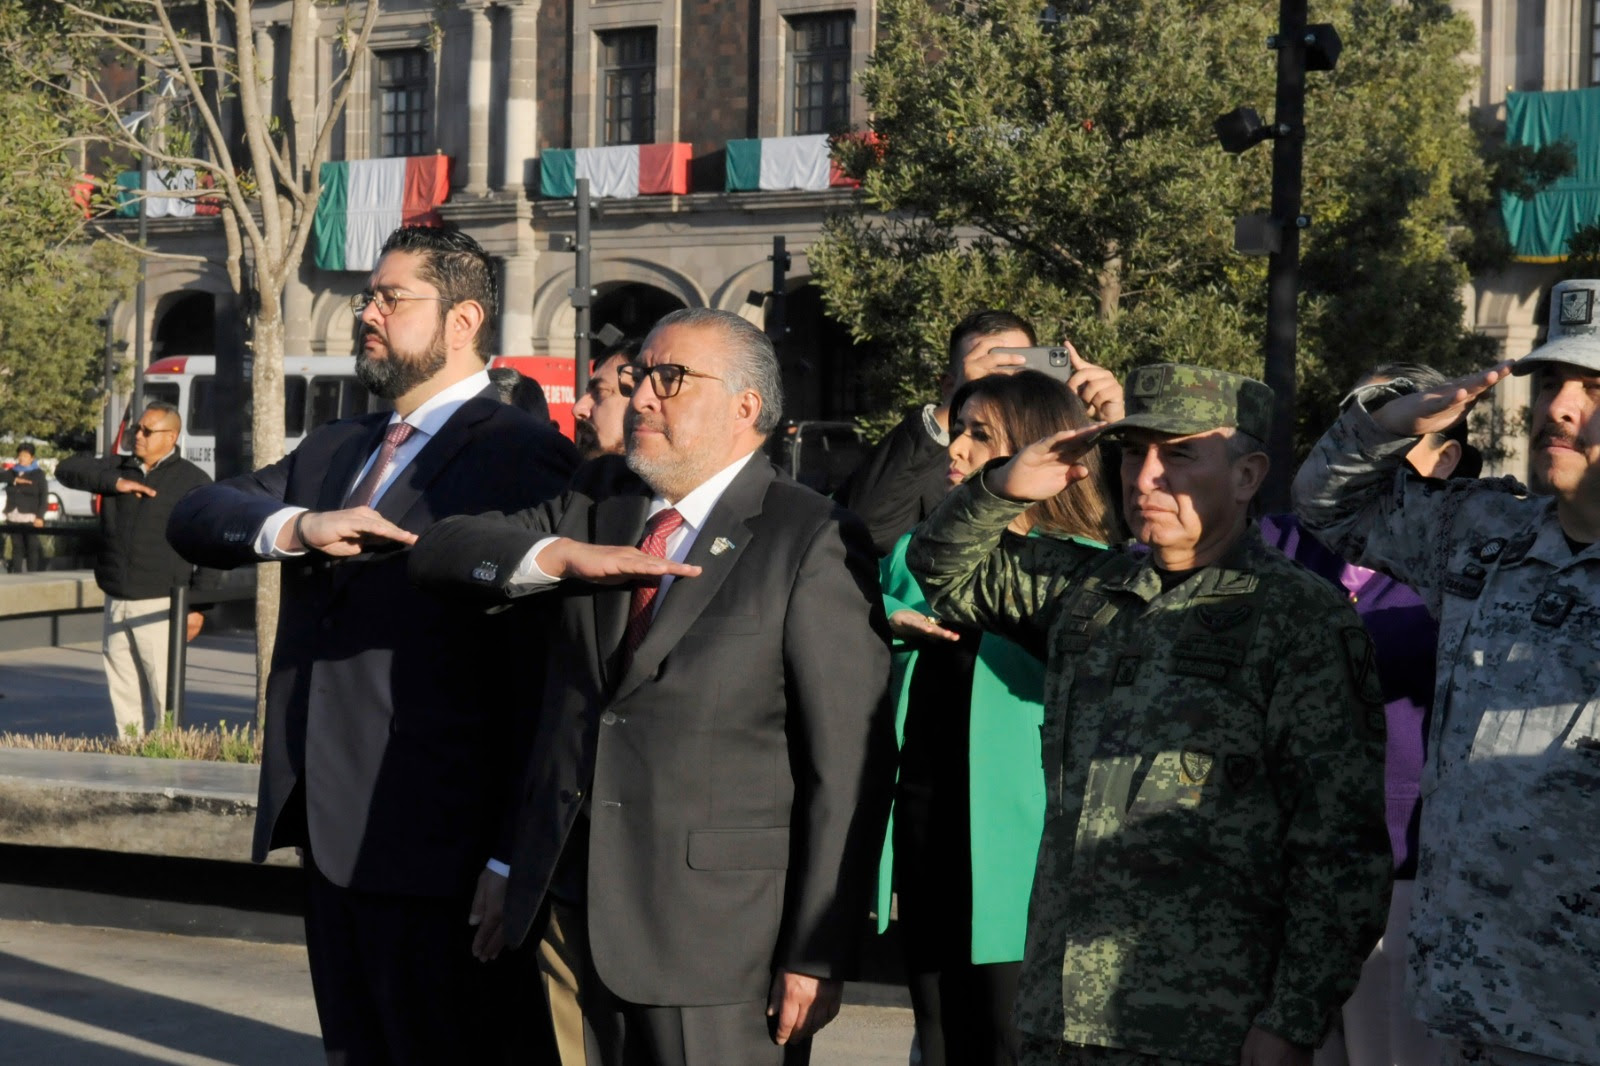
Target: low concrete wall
(49, 609)
(166, 807)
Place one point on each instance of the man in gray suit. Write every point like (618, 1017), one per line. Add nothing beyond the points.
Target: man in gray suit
(710, 775)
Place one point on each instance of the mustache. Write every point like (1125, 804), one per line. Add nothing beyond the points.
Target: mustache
(369, 330)
(1558, 434)
(633, 420)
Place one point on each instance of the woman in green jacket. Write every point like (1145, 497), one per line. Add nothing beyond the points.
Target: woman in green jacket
(969, 805)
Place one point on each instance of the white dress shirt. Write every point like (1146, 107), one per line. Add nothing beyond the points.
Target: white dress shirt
(426, 421)
(694, 509)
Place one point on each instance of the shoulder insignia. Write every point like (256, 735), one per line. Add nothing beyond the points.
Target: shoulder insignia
(1196, 766)
(1086, 605)
(1219, 616)
(485, 571)
(1209, 651)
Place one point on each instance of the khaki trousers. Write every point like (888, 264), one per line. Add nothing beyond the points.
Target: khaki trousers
(135, 654)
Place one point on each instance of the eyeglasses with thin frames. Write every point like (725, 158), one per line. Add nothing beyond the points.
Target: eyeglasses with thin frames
(665, 378)
(386, 299)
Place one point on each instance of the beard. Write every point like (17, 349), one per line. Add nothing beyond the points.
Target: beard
(398, 372)
(673, 475)
(587, 438)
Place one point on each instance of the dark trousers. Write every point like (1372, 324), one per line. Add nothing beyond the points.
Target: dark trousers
(26, 553)
(396, 983)
(620, 1033)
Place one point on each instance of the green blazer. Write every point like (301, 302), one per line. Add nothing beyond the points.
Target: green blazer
(1005, 771)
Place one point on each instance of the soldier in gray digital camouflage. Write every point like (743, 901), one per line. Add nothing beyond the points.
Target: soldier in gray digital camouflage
(1215, 866)
(1505, 925)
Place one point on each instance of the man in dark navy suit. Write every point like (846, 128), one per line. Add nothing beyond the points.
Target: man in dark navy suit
(393, 733)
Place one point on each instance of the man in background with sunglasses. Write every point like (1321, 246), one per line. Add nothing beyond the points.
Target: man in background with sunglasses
(392, 729)
(136, 567)
(709, 785)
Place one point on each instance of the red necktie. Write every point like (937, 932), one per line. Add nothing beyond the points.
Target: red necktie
(662, 525)
(367, 487)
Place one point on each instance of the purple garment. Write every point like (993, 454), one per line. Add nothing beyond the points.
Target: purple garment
(1406, 640)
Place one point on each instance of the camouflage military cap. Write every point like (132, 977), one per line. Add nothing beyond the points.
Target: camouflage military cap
(1574, 335)
(1178, 399)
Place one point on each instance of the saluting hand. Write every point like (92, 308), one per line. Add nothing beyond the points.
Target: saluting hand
(1436, 410)
(129, 487)
(1044, 467)
(606, 564)
(348, 532)
(916, 627)
(1096, 386)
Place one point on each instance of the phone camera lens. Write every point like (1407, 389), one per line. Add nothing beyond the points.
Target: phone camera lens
(1058, 357)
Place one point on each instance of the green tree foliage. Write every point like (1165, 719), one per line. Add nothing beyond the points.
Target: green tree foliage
(1070, 173)
(53, 286)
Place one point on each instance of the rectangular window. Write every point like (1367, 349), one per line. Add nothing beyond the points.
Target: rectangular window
(819, 72)
(628, 86)
(402, 103)
(1594, 42)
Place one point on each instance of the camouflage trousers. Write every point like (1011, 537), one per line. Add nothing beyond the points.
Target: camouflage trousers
(1461, 1053)
(1037, 1051)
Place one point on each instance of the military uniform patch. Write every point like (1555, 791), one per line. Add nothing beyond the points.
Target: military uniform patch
(1517, 548)
(1552, 608)
(1127, 670)
(1239, 770)
(1196, 766)
(1490, 550)
(1218, 616)
(1468, 584)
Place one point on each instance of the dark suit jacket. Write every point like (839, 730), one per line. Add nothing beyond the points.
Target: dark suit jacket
(899, 483)
(739, 769)
(391, 718)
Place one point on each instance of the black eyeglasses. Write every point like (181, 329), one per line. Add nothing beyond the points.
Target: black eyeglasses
(665, 378)
(386, 300)
(146, 431)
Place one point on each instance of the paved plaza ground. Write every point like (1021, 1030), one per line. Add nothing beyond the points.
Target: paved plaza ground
(78, 996)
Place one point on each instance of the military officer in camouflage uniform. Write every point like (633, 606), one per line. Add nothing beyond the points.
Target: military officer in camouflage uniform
(1505, 925)
(1215, 866)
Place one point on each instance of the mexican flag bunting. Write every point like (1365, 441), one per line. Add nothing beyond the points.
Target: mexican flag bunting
(776, 163)
(365, 200)
(621, 172)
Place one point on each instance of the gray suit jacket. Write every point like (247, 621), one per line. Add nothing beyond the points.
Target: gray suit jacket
(738, 771)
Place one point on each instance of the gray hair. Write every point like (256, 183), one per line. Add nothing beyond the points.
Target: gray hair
(165, 408)
(752, 360)
(1241, 444)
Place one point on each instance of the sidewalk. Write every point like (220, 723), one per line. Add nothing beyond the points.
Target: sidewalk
(63, 690)
(104, 997)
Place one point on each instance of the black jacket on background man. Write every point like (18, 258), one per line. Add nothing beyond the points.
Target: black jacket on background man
(32, 498)
(135, 561)
(899, 483)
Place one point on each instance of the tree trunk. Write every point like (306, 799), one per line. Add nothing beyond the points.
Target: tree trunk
(266, 438)
(1110, 286)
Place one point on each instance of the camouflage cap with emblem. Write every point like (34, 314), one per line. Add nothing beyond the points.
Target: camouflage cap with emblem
(1181, 400)
(1574, 334)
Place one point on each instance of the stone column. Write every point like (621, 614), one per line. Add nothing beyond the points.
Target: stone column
(516, 303)
(521, 131)
(481, 30)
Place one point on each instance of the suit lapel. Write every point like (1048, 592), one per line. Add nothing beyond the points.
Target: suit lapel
(347, 461)
(718, 547)
(409, 485)
(617, 520)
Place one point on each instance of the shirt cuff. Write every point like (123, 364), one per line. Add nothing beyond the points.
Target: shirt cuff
(495, 866)
(940, 435)
(528, 574)
(267, 540)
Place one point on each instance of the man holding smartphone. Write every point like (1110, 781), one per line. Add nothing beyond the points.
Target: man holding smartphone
(902, 479)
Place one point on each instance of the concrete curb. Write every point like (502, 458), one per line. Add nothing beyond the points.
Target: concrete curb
(122, 803)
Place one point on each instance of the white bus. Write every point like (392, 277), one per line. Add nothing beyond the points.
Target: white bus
(316, 389)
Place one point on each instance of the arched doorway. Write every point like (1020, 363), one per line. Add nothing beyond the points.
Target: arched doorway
(188, 326)
(821, 363)
(631, 307)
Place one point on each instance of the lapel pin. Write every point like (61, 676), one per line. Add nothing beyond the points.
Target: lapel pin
(720, 545)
